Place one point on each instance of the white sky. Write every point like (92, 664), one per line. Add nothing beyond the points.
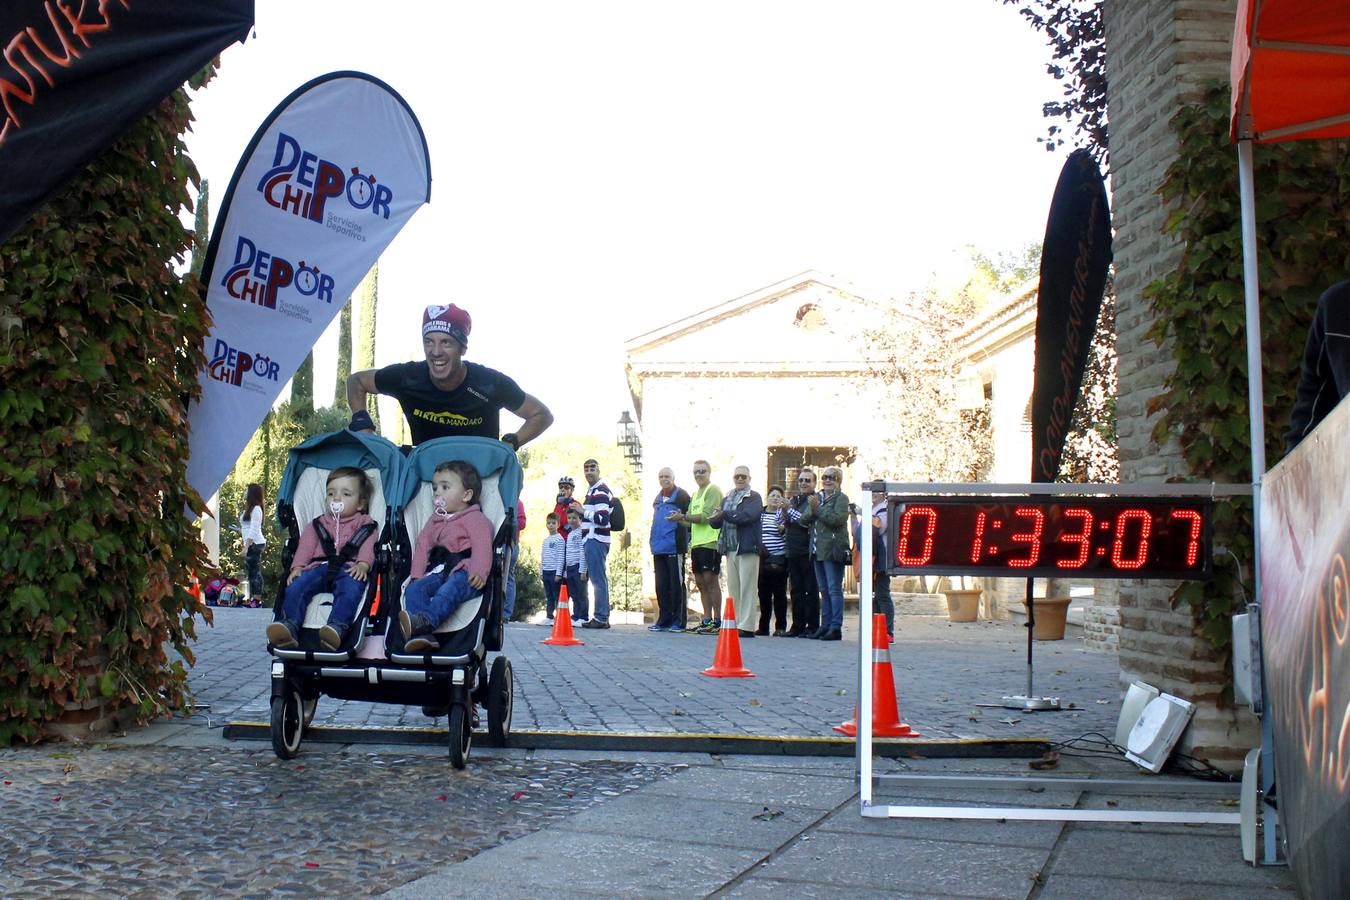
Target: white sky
(602, 168)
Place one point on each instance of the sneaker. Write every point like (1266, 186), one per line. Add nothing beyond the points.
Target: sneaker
(414, 625)
(548, 620)
(330, 636)
(657, 628)
(677, 628)
(282, 635)
(420, 644)
(745, 633)
(595, 623)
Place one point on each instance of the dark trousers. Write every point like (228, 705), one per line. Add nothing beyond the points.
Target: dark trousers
(881, 598)
(805, 594)
(576, 592)
(253, 566)
(551, 586)
(670, 602)
(772, 596)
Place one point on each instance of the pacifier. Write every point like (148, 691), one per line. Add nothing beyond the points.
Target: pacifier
(336, 507)
(439, 503)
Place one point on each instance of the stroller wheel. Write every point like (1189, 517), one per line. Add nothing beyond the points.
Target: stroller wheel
(309, 708)
(461, 735)
(501, 692)
(287, 724)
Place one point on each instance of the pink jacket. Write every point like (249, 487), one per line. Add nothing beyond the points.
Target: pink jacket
(309, 552)
(467, 529)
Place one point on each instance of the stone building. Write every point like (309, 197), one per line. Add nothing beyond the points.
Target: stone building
(777, 379)
(1159, 55)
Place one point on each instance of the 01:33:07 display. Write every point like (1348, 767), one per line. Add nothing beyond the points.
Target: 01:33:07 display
(1082, 536)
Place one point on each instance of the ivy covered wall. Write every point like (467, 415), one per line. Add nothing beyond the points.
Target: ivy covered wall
(101, 346)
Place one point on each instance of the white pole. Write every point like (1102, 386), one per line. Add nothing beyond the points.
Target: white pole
(865, 651)
(1256, 413)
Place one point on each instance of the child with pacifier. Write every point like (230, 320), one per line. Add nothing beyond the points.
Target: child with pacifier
(335, 553)
(442, 577)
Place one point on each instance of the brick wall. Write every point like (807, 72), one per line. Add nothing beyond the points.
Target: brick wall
(1159, 55)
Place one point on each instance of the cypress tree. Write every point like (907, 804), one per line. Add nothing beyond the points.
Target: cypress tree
(302, 389)
(365, 344)
(344, 354)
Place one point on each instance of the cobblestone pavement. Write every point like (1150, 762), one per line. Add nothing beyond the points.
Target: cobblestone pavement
(629, 680)
(126, 821)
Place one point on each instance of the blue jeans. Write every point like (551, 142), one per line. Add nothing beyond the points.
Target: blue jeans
(830, 578)
(597, 552)
(437, 596)
(347, 594)
(551, 586)
(253, 565)
(509, 603)
(576, 592)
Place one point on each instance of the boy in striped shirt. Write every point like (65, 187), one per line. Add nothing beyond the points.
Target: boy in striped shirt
(576, 567)
(552, 563)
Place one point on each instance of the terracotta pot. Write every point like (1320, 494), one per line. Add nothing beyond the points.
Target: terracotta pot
(963, 604)
(1051, 613)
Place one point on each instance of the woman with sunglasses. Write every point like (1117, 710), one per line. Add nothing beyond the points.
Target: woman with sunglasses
(827, 514)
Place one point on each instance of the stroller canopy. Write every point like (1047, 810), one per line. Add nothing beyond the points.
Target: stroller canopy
(360, 449)
(489, 457)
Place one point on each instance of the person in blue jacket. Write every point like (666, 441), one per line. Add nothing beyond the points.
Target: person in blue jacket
(669, 543)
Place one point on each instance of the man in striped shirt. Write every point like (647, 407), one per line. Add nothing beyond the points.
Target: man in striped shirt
(595, 522)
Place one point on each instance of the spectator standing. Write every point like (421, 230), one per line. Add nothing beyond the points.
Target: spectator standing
(703, 555)
(509, 600)
(738, 542)
(595, 515)
(669, 543)
(250, 527)
(552, 564)
(802, 560)
(576, 568)
(827, 514)
(1324, 377)
(773, 562)
(563, 503)
(881, 579)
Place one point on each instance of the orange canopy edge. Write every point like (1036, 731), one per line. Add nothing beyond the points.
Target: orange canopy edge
(1290, 70)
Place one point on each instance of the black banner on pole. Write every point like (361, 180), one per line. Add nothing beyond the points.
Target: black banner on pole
(75, 75)
(1074, 261)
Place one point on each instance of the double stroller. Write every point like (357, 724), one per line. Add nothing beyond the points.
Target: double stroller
(450, 678)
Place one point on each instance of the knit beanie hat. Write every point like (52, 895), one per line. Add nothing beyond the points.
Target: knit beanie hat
(450, 319)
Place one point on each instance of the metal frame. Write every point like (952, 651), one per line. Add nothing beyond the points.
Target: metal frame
(867, 778)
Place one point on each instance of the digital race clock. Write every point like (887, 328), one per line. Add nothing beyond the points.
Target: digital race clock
(1087, 537)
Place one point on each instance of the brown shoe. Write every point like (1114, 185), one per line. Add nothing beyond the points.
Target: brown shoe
(330, 636)
(282, 635)
(420, 644)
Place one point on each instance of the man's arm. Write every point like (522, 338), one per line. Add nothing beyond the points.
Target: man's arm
(360, 385)
(536, 415)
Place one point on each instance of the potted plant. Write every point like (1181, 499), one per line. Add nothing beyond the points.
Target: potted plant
(1052, 611)
(963, 603)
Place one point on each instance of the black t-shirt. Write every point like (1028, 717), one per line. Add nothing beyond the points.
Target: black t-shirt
(471, 409)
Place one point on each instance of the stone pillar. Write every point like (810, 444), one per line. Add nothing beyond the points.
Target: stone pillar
(1159, 54)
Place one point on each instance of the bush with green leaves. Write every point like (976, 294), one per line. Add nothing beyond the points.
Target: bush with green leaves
(102, 344)
(1303, 239)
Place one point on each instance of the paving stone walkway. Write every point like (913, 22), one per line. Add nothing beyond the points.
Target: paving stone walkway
(629, 680)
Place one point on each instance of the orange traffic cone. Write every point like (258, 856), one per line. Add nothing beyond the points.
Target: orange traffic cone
(885, 715)
(727, 658)
(196, 588)
(562, 623)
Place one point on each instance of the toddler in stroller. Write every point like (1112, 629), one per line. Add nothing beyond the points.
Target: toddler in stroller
(323, 562)
(456, 526)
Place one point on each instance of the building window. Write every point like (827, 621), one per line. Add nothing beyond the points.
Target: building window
(810, 318)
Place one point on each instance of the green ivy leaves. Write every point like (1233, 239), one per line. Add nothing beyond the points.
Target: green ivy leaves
(95, 547)
(1303, 226)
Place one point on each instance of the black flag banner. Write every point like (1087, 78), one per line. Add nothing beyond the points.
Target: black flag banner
(75, 74)
(1074, 260)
